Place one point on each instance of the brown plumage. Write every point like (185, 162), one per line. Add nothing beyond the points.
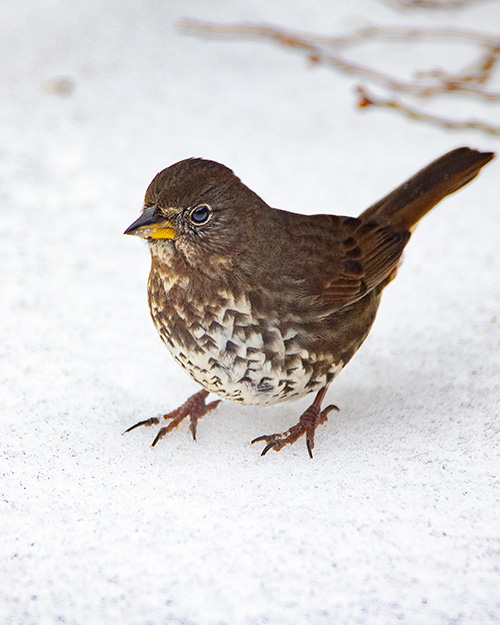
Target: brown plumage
(261, 305)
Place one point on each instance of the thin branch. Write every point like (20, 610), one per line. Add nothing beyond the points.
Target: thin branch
(480, 76)
(405, 33)
(366, 100)
(364, 33)
(471, 82)
(314, 48)
(434, 4)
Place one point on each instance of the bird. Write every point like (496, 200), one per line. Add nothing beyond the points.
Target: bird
(261, 305)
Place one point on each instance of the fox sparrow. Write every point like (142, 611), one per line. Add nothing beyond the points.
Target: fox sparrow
(261, 305)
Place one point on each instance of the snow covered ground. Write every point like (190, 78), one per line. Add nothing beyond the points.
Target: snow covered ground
(397, 517)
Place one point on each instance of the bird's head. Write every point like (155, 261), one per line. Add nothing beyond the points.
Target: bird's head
(201, 209)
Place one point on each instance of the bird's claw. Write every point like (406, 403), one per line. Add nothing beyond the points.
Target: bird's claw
(146, 422)
(307, 424)
(194, 408)
(273, 442)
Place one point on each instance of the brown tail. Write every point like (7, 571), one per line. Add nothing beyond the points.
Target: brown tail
(407, 204)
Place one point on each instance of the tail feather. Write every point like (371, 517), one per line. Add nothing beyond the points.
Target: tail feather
(406, 205)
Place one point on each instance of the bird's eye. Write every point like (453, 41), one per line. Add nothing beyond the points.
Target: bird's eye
(200, 214)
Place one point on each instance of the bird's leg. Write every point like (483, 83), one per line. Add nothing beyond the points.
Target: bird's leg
(307, 424)
(194, 408)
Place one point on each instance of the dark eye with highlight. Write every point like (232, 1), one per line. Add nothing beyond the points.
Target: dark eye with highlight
(200, 214)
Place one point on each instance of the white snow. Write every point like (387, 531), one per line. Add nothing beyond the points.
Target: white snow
(397, 517)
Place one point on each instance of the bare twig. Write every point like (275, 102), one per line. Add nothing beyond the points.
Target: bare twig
(471, 82)
(364, 33)
(314, 47)
(366, 100)
(405, 33)
(433, 4)
(479, 76)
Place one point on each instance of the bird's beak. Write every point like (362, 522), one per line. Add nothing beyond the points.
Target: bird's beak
(150, 225)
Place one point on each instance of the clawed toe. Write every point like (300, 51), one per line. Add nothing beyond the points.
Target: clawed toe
(307, 424)
(272, 440)
(310, 446)
(194, 408)
(195, 415)
(146, 422)
(267, 448)
(161, 433)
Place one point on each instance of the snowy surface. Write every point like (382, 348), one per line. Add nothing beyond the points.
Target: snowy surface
(397, 517)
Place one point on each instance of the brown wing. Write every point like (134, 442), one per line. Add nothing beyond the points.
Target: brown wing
(369, 253)
(327, 260)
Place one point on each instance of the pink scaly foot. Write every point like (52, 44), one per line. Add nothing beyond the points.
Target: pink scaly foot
(307, 424)
(194, 408)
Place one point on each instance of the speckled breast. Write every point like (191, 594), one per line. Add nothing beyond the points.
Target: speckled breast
(229, 348)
